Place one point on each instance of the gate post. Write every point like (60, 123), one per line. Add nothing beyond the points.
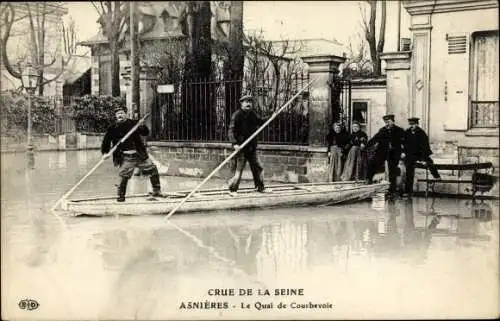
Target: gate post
(324, 67)
(398, 93)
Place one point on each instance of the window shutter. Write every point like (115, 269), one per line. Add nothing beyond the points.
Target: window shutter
(456, 82)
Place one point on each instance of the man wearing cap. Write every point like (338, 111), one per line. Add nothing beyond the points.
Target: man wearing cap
(417, 149)
(245, 122)
(389, 146)
(129, 154)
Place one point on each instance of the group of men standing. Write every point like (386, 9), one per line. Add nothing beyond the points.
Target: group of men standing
(391, 143)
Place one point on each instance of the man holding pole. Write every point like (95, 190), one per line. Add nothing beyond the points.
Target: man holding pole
(130, 154)
(389, 142)
(245, 122)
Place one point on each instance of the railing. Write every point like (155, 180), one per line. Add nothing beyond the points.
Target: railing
(485, 114)
(49, 114)
(201, 111)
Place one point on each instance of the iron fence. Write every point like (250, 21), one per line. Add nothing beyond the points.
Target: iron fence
(341, 109)
(201, 110)
(485, 114)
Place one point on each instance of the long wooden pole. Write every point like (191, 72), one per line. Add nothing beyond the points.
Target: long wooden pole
(134, 61)
(100, 162)
(249, 139)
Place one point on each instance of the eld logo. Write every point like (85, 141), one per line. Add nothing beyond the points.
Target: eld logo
(28, 304)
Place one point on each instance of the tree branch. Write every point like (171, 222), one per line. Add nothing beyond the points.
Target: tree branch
(46, 81)
(99, 13)
(52, 61)
(364, 22)
(9, 21)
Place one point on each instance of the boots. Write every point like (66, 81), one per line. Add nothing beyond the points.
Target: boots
(122, 189)
(155, 183)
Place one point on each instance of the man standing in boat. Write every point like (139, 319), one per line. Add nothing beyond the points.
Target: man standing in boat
(129, 154)
(245, 122)
(417, 149)
(389, 146)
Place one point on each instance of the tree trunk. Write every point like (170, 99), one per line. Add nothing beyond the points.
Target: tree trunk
(115, 69)
(198, 111)
(233, 66)
(381, 40)
(40, 82)
(370, 33)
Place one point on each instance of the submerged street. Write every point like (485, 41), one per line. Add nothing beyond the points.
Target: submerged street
(407, 259)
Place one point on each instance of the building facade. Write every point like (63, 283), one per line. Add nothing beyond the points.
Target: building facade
(454, 73)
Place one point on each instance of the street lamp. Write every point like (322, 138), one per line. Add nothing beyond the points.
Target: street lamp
(29, 78)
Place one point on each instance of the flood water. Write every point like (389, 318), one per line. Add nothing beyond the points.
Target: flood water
(404, 259)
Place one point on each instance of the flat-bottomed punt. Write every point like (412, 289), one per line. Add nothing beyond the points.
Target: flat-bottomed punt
(286, 195)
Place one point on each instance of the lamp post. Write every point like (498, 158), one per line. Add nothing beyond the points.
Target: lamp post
(29, 78)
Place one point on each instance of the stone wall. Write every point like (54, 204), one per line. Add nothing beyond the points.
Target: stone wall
(281, 163)
(479, 154)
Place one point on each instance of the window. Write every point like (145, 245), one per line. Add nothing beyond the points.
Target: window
(360, 114)
(484, 94)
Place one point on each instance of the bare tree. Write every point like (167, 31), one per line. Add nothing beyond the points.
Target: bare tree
(369, 27)
(273, 63)
(8, 16)
(358, 62)
(168, 55)
(113, 18)
(41, 56)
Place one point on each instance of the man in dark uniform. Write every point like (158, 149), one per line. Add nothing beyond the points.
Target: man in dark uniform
(389, 146)
(129, 154)
(245, 122)
(417, 148)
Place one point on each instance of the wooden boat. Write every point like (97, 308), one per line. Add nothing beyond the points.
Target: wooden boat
(286, 195)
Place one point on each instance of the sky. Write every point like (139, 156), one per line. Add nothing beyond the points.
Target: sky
(339, 20)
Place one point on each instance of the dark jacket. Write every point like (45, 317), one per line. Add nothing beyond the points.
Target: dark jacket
(243, 124)
(358, 138)
(340, 139)
(116, 132)
(389, 140)
(417, 144)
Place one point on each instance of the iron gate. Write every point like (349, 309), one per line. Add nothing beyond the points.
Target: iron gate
(341, 109)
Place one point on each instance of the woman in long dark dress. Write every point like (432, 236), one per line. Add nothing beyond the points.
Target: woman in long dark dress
(337, 141)
(356, 162)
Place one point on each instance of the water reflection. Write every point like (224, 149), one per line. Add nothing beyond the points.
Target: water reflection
(30, 160)
(113, 261)
(283, 249)
(82, 157)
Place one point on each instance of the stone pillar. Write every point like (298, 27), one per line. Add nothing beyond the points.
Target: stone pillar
(147, 92)
(323, 67)
(398, 91)
(420, 69)
(94, 75)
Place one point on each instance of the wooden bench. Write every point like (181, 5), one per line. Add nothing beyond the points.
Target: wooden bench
(480, 182)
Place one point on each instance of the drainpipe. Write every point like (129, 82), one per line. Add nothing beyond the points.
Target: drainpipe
(429, 52)
(399, 26)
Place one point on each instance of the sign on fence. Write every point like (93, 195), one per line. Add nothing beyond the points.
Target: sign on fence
(165, 89)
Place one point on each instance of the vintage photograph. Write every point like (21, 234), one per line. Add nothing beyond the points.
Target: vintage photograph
(249, 160)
